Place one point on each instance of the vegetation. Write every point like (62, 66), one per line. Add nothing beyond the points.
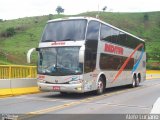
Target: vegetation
(104, 8)
(59, 9)
(26, 33)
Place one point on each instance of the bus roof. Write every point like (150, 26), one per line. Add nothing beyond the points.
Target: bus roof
(91, 18)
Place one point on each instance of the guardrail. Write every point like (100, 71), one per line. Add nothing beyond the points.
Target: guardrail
(17, 71)
(153, 72)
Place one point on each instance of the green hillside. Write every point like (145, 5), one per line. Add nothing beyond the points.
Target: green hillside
(19, 35)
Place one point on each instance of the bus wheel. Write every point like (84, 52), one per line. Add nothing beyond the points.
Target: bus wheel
(133, 82)
(63, 93)
(101, 86)
(137, 82)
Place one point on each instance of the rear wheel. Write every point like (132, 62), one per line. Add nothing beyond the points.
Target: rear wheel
(101, 86)
(137, 81)
(133, 82)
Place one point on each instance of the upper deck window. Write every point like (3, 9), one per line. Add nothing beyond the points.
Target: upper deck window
(66, 30)
(118, 37)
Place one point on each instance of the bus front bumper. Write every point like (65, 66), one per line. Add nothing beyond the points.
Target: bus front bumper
(72, 88)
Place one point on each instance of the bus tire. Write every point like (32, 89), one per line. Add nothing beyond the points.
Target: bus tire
(133, 82)
(137, 81)
(63, 93)
(101, 86)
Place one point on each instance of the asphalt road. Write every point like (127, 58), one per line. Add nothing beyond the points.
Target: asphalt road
(119, 100)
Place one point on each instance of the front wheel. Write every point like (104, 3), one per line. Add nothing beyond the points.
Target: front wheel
(101, 86)
(63, 93)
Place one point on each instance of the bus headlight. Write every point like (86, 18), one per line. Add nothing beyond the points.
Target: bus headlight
(79, 88)
(42, 81)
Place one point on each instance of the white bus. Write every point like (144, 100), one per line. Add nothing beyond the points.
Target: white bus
(82, 54)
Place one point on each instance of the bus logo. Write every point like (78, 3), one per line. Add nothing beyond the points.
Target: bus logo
(58, 43)
(113, 49)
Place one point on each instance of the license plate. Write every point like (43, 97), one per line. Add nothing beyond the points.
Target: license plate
(56, 88)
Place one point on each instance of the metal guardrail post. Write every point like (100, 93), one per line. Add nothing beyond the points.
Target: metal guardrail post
(30, 72)
(10, 70)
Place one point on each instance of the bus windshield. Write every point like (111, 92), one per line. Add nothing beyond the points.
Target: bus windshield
(59, 61)
(66, 30)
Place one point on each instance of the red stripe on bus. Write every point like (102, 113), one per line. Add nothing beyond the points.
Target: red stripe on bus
(126, 62)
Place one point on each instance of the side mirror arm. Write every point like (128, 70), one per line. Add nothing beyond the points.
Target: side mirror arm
(29, 54)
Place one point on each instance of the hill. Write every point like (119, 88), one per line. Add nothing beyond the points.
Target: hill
(19, 35)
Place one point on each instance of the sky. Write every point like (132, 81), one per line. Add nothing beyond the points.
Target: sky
(13, 9)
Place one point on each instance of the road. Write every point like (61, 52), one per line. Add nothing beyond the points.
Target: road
(119, 100)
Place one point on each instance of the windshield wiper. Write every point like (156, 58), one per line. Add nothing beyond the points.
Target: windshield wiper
(66, 69)
(47, 41)
(67, 39)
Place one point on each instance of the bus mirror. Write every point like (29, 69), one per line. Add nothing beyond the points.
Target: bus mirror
(37, 49)
(29, 55)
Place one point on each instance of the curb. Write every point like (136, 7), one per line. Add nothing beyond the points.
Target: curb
(150, 78)
(18, 91)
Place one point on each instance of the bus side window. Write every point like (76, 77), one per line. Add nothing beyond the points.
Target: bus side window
(93, 30)
(115, 35)
(122, 39)
(105, 33)
(109, 34)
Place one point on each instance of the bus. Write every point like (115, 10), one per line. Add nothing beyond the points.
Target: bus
(82, 54)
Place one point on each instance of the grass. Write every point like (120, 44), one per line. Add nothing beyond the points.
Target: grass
(29, 30)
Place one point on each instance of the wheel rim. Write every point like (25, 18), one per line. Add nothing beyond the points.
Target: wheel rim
(100, 86)
(137, 82)
(133, 83)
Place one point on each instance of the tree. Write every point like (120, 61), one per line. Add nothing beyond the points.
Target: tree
(146, 20)
(104, 8)
(146, 17)
(1, 20)
(59, 9)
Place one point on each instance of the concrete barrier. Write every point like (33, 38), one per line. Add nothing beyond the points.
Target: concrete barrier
(11, 87)
(152, 74)
(17, 79)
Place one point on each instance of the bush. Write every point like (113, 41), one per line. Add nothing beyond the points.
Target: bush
(20, 28)
(50, 16)
(9, 32)
(150, 67)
